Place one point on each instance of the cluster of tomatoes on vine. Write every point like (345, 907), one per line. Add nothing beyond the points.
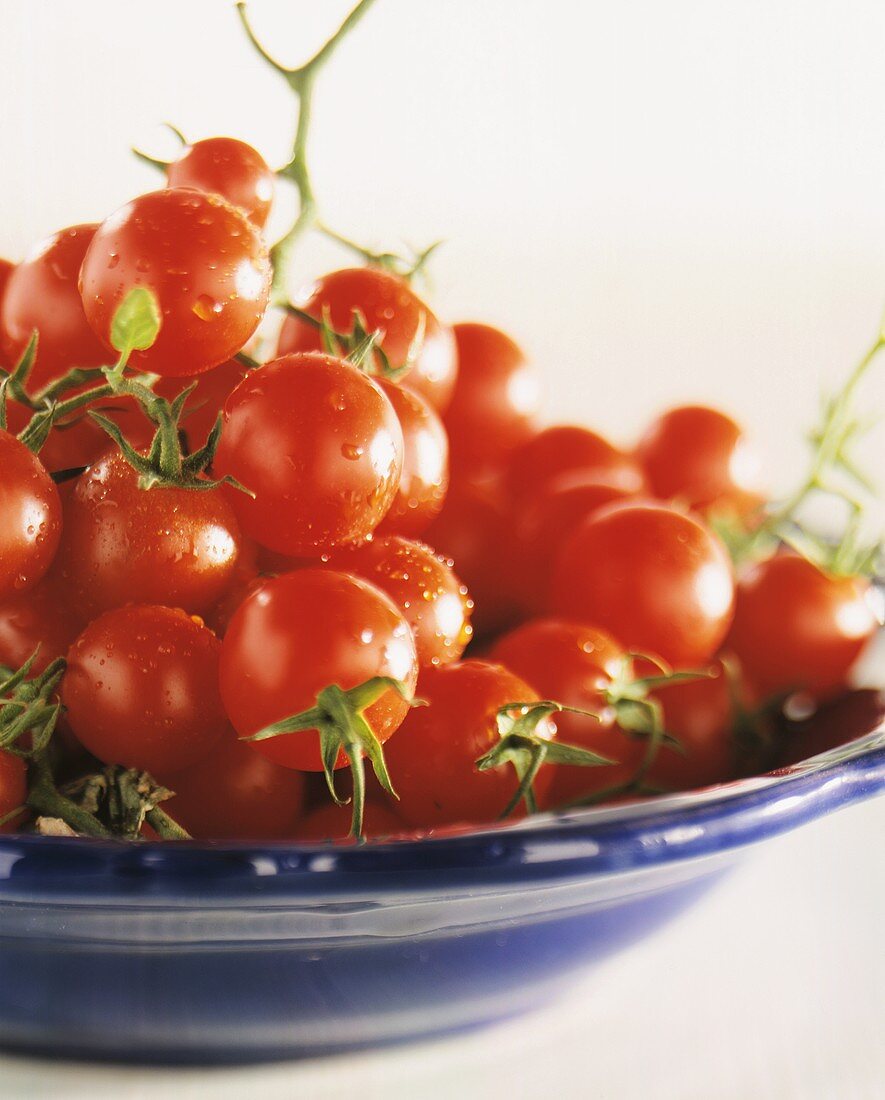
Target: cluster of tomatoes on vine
(220, 576)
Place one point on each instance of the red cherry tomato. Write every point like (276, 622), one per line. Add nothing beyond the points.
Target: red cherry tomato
(207, 400)
(246, 578)
(30, 517)
(432, 759)
(470, 530)
(41, 620)
(176, 547)
(836, 722)
(6, 269)
(235, 794)
(565, 449)
(422, 585)
(230, 168)
(797, 627)
(545, 523)
(13, 788)
(702, 458)
(425, 476)
(297, 634)
(386, 302)
(699, 714)
(332, 822)
(658, 580)
(496, 399)
(42, 294)
(319, 444)
(70, 444)
(141, 689)
(204, 262)
(574, 664)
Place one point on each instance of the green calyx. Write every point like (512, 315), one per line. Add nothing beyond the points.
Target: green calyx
(339, 717)
(360, 347)
(521, 746)
(29, 705)
(115, 802)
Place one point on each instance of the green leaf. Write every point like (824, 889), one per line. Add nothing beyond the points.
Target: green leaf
(136, 324)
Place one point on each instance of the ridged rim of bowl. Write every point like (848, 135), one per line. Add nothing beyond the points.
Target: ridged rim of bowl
(603, 840)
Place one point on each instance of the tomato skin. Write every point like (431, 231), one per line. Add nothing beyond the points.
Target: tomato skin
(30, 517)
(295, 635)
(41, 293)
(6, 269)
(203, 260)
(799, 628)
(425, 475)
(203, 406)
(469, 531)
(230, 168)
(332, 822)
(319, 444)
(546, 522)
(432, 758)
(423, 586)
(574, 664)
(176, 547)
(388, 303)
(41, 617)
(659, 580)
(13, 787)
(702, 458)
(236, 794)
(495, 402)
(836, 722)
(141, 689)
(564, 449)
(699, 714)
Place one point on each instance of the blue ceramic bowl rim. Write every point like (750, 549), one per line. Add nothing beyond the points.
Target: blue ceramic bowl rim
(599, 841)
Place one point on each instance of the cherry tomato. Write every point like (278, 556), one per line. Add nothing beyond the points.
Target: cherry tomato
(246, 578)
(545, 523)
(425, 476)
(204, 262)
(432, 760)
(699, 714)
(702, 458)
(574, 664)
(658, 580)
(386, 302)
(41, 620)
(422, 585)
(6, 269)
(42, 294)
(836, 722)
(176, 547)
(141, 689)
(13, 787)
(235, 794)
(319, 444)
(564, 449)
(230, 168)
(471, 530)
(798, 627)
(332, 822)
(30, 517)
(207, 400)
(496, 399)
(70, 444)
(297, 634)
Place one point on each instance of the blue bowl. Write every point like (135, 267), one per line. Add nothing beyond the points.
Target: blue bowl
(198, 952)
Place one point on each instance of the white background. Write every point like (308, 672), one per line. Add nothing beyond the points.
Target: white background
(663, 202)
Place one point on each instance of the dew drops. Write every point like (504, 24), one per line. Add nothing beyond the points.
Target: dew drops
(207, 308)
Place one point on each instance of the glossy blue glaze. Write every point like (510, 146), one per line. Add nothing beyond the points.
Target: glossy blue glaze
(202, 952)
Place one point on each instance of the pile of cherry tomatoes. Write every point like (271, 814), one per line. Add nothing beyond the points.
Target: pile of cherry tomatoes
(222, 579)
